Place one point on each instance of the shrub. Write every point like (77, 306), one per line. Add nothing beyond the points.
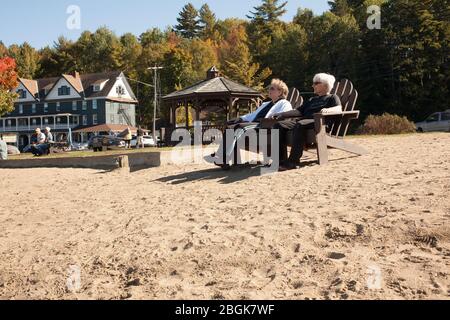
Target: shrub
(387, 124)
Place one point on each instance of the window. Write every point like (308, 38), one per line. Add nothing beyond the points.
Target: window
(33, 108)
(96, 88)
(45, 120)
(94, 104)
(75, 120)
(8, 123)
(20, 108)
(45, 107)
(22, 94)
(84, 105)
(85, 122)
(33, 121)
(74, 106)
(94, 119)
(58, 120)
(433, 118)
(120, 90)
(445, 116)
(64, 91)
(58, 106)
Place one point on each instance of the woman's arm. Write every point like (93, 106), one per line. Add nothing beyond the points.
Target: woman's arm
(289, 114)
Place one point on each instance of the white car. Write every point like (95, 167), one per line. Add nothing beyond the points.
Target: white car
(439, 121)
(148, 141)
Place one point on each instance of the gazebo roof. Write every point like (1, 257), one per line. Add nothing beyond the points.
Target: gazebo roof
(213, 85)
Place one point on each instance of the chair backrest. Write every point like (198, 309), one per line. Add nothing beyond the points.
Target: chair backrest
(348, 95)
(295, 98)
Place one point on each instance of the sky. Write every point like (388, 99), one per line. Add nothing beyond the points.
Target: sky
(40, 23)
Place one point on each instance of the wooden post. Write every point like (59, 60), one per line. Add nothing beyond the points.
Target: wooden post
(123, 162)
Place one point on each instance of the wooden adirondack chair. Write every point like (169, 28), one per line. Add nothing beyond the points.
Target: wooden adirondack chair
(331, 129)
(295, 98)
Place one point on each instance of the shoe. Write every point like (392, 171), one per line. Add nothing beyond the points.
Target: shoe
(211, 158)
(287, 166)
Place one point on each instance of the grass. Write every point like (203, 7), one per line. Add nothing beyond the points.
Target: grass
(87, 153)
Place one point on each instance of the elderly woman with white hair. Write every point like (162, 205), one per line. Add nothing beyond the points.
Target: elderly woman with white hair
(302, 119)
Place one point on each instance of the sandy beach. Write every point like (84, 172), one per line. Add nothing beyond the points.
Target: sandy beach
(370, 227)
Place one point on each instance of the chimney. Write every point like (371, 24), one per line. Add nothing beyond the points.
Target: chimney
(76, 74)
(212, 73)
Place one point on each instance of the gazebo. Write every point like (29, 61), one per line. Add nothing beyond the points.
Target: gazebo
(213, 93)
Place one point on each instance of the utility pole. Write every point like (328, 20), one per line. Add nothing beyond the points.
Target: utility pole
(155, 69)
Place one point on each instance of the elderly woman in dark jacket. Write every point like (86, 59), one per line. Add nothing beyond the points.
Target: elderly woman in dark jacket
(302, 119)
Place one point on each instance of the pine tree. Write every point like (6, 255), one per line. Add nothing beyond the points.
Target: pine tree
(207, 22)
(188, 23)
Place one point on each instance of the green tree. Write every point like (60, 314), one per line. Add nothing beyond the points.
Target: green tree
(207, 22)
(264, 23)
(130, 54)
(27, 60)
(188, 22)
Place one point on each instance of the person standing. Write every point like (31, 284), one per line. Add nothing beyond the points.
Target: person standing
(140, 138)
(128, 138)
(3, 150)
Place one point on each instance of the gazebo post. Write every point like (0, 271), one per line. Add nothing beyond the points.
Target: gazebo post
(186, 106)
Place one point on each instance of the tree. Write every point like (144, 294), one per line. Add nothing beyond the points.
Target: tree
(188, 23)
(27, 60)
(340, 7)
(237, 62)
(264, 22)
(59, 59)
(268, 12)
(207, 22)
(130, 52)
(97, 52)
(8, 82)
(3, 50)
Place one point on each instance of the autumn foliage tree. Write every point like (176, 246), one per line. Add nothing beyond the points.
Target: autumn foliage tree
(8, 81)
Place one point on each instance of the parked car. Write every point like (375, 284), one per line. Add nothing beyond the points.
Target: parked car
(439, 121)
(109, 142)
(148, 141)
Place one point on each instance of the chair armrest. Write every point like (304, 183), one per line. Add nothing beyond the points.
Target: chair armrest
(349, 114)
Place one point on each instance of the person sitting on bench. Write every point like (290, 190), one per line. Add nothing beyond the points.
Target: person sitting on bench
(301, 119)
(278, 92)
(37, 147)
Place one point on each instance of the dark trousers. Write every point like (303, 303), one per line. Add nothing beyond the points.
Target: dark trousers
(299, 128)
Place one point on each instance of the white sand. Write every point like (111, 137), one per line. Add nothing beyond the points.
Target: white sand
(196, 232)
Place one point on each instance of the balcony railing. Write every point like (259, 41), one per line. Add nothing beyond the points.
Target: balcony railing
(33, 126)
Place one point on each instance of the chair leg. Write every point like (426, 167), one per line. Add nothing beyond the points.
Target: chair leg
(321, 138)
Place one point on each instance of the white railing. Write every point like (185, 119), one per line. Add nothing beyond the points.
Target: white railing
(34, 126)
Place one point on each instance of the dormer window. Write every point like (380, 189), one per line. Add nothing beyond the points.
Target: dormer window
(120, 90)
(64, 91)
(22, 94)
(96, 87)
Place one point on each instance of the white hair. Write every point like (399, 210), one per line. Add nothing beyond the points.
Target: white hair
(326, 78)
(48, 129)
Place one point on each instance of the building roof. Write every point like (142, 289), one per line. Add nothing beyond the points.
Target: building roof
(82, 83)
(214, 84)
(106, 128)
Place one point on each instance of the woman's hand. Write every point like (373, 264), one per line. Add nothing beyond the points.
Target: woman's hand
(278, 116)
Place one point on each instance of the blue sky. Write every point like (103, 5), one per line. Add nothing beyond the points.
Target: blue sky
(41, 22)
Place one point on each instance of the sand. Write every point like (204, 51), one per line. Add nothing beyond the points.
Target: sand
(371, 227)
